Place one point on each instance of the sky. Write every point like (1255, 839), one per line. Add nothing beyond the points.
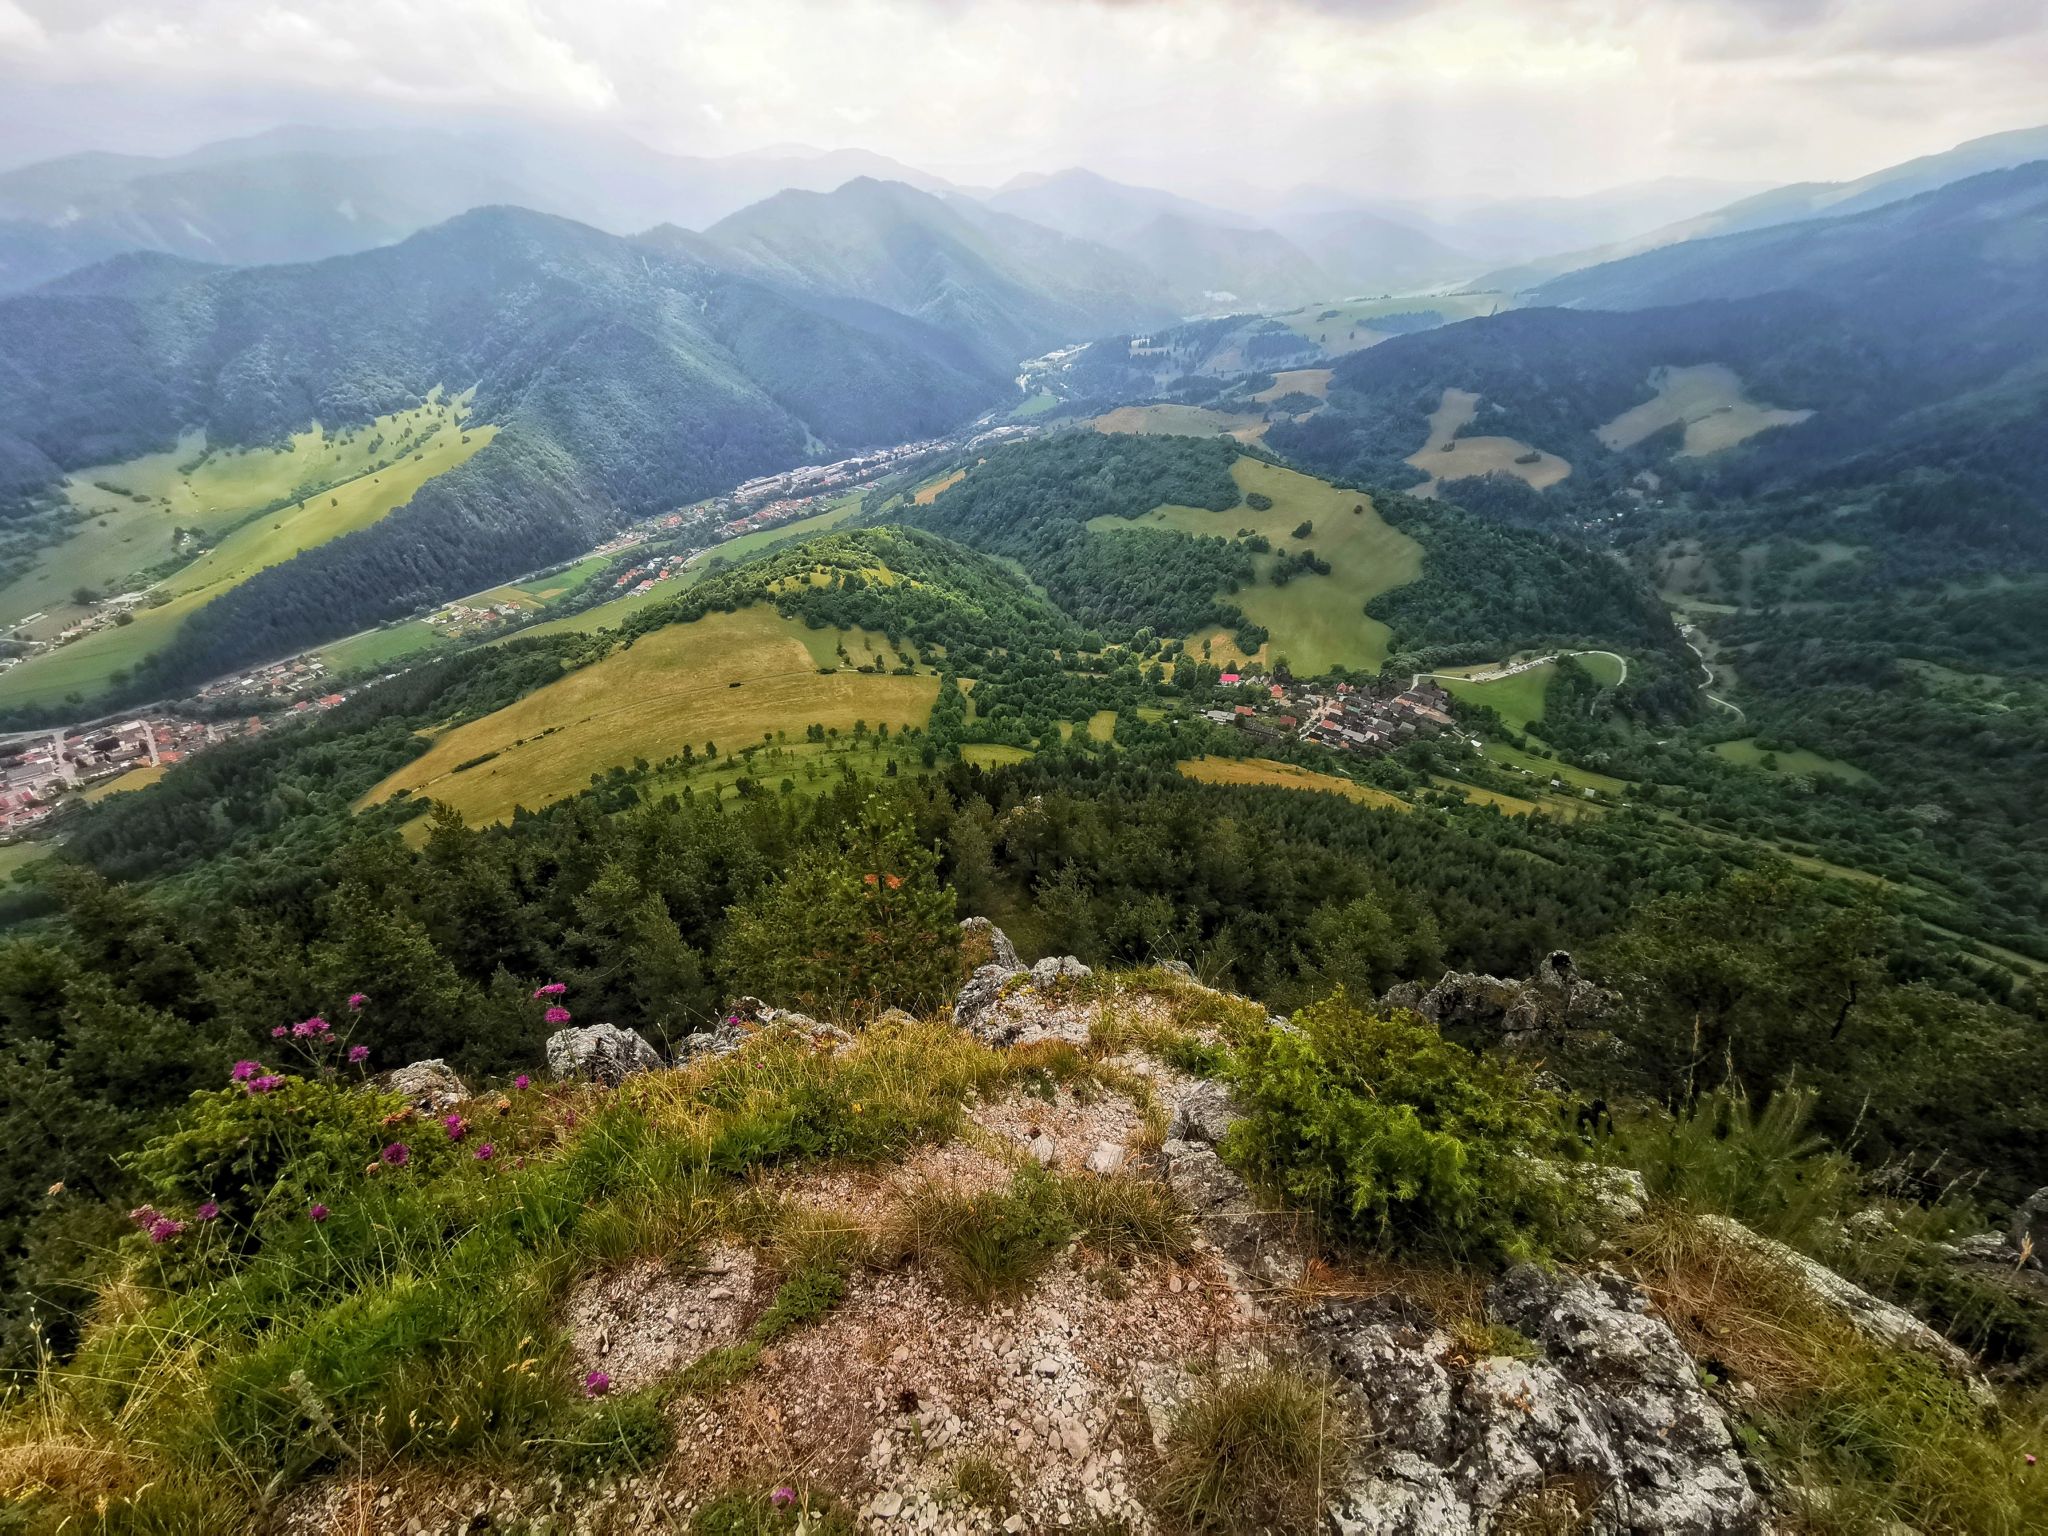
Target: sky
(1391, 97)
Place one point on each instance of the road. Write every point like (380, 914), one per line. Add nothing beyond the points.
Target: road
(1708, 668)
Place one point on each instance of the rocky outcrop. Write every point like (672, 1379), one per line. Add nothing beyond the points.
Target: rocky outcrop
(1552, 1010)
(2027, 1233)
(600, 1053)
(983, 943)
(747, 1017)
(426, 1085)
(1878, 1320)
(1007, 1005)
(1601, 1426)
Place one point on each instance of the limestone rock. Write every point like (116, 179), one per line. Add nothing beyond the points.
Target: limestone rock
(1043, 1151)
(1052, 970)
(1874, 1318)
(1202, 1111)
(1553, 1009)
(983, 943)
(1007, 1006)
(1105, 1159)
(1605, 1429)
(426, 1085)
(1264, 1246)
(600, 1053)
(722, 1039)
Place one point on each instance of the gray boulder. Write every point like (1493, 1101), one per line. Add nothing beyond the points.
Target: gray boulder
(1201, 1111)
(426, 1085)
(985, 944)
(1604, 1427)
(722, 1039)
(1051, 971)
(1554, 1009)
(1263, 1246)
(600, 1053)
(1007, 1006)
(2027, 1235)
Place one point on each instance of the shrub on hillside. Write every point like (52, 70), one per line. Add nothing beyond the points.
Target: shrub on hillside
(852, 930)
(1395, 1136)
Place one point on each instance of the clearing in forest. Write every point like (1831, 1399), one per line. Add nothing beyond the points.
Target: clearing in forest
(1181, 421)
(1266, 773)
(1316, 622)
(1746, 753)
(262, 539)
(126, 513)
(728, 678)
(1297, 381)
(1708, 401)
(1517, 699)
(1348, 326)
(1447, 456)
(929, 493)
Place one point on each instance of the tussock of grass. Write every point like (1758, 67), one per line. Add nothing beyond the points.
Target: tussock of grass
(983, 1483)
(1868, 1439)
(1252, 1452)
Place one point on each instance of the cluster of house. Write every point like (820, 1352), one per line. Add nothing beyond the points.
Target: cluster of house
(644, 578)
(29, 631)
(459, 620)
(38, 771)
(1365, 719)
(280, 683)
(817, 479)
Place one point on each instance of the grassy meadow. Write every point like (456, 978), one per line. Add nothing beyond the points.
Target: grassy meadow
(729, 678)
(1708, 401)
(1788, 760)
(1181, 421)
(1447, 456)
(1266, 773)
(90, 663)
(126, 511)
(1347, 326)
(1518, 700)
(1316, 622)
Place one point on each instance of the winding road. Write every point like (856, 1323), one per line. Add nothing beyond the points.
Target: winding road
(1530, 665)
(1708, 668)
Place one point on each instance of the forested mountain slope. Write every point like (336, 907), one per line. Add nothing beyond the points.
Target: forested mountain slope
(623, 380)
(1012, 288)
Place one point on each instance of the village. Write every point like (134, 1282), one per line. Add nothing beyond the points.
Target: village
(1365, 720)
(41, 774)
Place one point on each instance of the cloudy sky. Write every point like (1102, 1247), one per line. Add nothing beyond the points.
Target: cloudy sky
(1391, 96)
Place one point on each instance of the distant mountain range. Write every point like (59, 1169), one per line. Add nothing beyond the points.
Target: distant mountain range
(301, 193)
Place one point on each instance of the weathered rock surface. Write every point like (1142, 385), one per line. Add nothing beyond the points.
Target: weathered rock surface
(639, 1323)
(600, 1053)
(426, 1085)
(1606, 1428)
(983, 943)
(1553, 1009)
(2027, 1234)
(1876, 1319)
(1006, 1005)
(1266, 1247)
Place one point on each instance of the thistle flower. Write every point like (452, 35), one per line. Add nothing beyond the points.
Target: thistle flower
(783, 1497)
(145, 1216)
(269, 1083)
(556, 1015)
(486, 1152)
(279, 1033)
(243, 1071)
(596, 1384)
(522, 1082)
(163, 1229)
(306, 1028)
(208, 1210)
(358, 1054)
(397, 1155)
(316, 1212)
(356, 1001)
(552, 989)
(455, 1126)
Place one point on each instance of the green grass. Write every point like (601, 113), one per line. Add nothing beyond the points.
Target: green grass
(725, 678)
(1253, 1452)
(1102, 725)
(1548, 768)
(380, 647)
(15, 857)
(1788, 760)
(90, 664)
(1036, 405)
(1265, 773)
(1332, 331)
(1315, 622)
(1518, 700)
(1179, 421)
(190, 487)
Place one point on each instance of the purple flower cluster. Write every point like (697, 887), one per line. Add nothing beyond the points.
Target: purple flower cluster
(552, 989)
(455, 1126)
(356, 1001)
(397, 1155)
(358, 1054)
(306, 1029)
(596, 1384)
(556, 1015)
(269, 1083)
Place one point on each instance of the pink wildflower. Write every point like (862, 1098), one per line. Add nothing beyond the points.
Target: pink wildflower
(455, 1126)
(269, 1084)
(398, 1154)
(316, 1212)
(556, 1015)
(208, 1210)
(163, 1229)
(522, 1081)
(552, 989)
(144, 1215)
(244, 1070)
(356, 1001)
(306, 1028)
(783, 1497)
(358, 1054)
(596, 1384)
(279, 1033)
(486, 1152)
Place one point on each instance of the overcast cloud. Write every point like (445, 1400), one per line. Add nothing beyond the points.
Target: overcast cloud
(1394, 96)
